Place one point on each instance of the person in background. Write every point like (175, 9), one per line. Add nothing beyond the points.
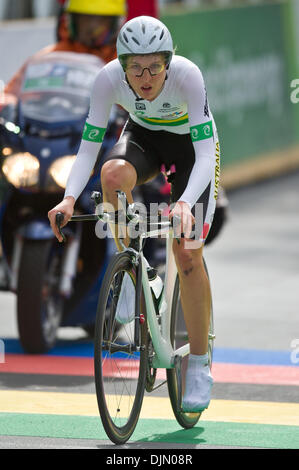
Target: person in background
(134, 8)
(90, 27)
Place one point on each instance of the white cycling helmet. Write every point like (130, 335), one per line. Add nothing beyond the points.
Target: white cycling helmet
(143, 35)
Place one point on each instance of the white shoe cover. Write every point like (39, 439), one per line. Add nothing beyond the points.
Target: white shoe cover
(198, 386)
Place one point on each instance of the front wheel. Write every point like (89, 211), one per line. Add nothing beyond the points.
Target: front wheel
(120, 354)
(179, 337)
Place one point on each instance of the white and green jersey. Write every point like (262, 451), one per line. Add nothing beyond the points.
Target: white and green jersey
(181, 108)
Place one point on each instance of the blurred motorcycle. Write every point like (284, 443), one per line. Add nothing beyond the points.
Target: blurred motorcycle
(55, 284)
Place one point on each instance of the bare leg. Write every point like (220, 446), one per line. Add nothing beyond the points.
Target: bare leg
(196, 303)
(117, 174)
(195, 295)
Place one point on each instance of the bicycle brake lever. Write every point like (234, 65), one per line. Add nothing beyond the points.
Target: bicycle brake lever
(59, 219)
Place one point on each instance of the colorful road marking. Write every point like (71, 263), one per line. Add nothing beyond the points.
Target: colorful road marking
(153, 431)
(239, 411)
(226, 422)
(222, 372)
(84, 348)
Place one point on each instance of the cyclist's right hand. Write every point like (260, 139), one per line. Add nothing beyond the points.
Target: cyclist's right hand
(66, 207)
(183, 212)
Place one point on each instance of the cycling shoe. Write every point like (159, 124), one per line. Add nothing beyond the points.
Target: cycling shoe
(198, 387)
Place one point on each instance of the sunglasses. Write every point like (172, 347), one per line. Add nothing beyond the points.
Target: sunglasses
(137, 70)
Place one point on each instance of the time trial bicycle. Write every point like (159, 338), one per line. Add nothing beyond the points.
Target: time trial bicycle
(128, 356)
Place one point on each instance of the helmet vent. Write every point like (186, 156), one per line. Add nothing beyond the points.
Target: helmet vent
(143, 28)
(135, 40)
(125, 37)
(130, 30)
(161, 35)
(152, 39)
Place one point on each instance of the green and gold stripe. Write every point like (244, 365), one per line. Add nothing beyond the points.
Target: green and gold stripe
(166, 122)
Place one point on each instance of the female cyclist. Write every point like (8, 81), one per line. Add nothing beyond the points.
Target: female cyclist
(170, 123)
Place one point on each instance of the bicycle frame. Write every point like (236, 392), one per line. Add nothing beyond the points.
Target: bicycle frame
(165, 356)
(154, 354)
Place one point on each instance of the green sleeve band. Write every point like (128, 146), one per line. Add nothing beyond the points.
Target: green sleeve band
(93, 133)
(202, 131)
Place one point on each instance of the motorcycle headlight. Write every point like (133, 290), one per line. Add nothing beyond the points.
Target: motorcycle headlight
(21, 169)
(60, 169)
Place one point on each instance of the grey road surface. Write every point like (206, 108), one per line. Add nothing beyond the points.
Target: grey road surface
(254, 268)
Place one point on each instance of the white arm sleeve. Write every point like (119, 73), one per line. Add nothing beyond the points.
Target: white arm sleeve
(193, 89)
(101, 100)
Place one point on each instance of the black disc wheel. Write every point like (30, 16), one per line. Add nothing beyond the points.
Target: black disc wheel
(120, 355)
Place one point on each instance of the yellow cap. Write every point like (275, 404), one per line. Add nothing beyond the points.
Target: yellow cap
(97, 7)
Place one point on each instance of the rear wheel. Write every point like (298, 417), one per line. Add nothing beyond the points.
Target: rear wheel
(120, 363)
(179, 337)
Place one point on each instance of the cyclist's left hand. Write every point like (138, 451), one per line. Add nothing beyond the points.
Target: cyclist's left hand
(182, 209)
